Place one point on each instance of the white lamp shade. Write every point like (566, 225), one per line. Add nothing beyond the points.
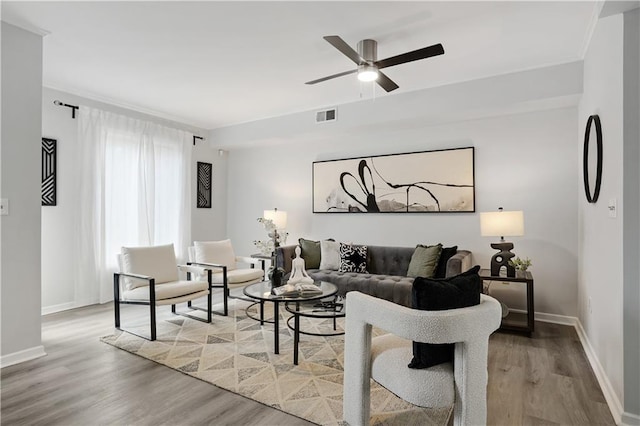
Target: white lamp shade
(502, 224)
(278, 217)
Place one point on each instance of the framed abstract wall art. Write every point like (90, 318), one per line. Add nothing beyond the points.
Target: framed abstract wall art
(439, 181)
(48, 185)
(204, 185)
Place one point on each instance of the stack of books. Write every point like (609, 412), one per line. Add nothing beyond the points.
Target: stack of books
(297, 290)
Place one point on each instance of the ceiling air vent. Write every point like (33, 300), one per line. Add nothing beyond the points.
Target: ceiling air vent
(327, 115)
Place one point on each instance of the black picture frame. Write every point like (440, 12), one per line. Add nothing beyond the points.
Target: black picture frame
(49, 172)
(204, 185)
(437, 181)
(593, 120)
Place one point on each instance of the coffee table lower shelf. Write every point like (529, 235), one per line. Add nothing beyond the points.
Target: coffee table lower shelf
(319, 310)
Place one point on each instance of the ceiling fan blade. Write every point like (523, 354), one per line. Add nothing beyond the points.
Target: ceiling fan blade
(331, 76)
(385, 82)
(343, 47)
(415, 55)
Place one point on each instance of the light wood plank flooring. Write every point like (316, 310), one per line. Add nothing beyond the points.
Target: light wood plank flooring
(542, 380)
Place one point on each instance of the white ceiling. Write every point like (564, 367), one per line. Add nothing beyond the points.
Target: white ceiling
(213, 64)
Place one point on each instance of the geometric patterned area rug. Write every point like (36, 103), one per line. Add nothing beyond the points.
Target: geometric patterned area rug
(236, 353)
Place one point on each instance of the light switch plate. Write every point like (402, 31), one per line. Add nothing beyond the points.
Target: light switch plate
(613, 207)
(4, 206)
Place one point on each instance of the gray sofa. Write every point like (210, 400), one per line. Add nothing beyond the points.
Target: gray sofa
(387, 278)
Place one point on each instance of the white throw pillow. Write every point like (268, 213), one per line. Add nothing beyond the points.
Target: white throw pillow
(219, 252)
(158, 262)
(330, 255)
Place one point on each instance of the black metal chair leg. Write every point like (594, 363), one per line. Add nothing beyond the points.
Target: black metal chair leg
(209, 305)
(152, 305)
(116, 298)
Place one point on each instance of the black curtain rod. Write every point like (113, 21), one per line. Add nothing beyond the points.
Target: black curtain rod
(73, 107)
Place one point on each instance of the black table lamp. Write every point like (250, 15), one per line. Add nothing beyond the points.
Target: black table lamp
(500, 224)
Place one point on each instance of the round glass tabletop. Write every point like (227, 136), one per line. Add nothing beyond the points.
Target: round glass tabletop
(262, 291)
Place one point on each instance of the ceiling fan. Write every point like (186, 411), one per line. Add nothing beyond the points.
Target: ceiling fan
(368, 64)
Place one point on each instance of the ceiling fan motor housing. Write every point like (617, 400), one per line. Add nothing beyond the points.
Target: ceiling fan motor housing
(368, 50)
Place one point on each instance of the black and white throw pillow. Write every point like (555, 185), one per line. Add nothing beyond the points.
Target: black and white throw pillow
(353, 258)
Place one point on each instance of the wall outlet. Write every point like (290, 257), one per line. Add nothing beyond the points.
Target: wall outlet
(613, 207)
(4, 207)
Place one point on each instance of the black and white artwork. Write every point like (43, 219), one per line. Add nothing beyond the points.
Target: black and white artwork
(204, 185)
(417, 182)
(48, 186)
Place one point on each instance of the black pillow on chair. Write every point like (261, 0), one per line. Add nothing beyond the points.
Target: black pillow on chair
(432, 294)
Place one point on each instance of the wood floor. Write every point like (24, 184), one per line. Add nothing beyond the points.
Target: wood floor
(542, 380)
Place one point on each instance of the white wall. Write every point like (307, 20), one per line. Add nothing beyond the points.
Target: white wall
(522, 161)
(20, 170)
(631, 154)
(600, 281)
(59, 282)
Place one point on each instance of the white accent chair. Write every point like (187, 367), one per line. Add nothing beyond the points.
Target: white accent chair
(149, 276)
(385, 358)
(222, 260)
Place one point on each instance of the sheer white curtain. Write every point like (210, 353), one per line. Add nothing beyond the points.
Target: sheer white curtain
(134, 190)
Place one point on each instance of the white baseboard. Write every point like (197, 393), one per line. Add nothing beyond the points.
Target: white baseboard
(46, 310)
(615, 406)
(629, 419)
(556, 319)
(22, 356)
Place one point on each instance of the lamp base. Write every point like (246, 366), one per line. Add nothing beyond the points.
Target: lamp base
(501, 259)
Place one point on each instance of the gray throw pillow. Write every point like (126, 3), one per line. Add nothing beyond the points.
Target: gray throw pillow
(424, 261)
(310, 252)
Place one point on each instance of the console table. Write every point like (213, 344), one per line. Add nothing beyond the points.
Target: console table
(516, 321)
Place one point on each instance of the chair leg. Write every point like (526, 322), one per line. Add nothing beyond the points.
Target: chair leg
(209, 305)
(226, 295)
(116, 298)
(152, 306)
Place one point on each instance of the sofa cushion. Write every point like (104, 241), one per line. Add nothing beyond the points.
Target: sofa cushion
(218, 252)
(330, 255)
(446, 254)
(158, 262)
(424, 261)
(238, 276)
(430, 294)
(166, 290)
(353, 258)
(310, 252)
(395, 288)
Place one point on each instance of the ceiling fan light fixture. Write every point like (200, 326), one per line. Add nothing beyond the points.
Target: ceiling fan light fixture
(367, 72)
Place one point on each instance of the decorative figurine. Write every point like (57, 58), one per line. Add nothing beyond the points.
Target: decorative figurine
(298, 274)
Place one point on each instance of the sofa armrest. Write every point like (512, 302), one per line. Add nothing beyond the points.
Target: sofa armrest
(459, 263)
(284, 255)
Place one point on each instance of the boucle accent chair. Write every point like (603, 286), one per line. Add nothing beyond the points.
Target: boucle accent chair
(385, 358)
(151, 278)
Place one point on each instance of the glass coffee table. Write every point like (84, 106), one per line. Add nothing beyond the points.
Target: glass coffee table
(323, 309)
(261, 292)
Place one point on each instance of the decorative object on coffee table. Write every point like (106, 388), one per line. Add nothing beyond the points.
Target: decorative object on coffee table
(500, 224)
(298, 273)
